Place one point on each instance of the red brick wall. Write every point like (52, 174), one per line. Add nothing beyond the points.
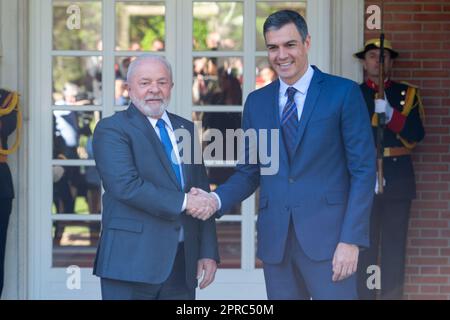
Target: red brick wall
(420, 31)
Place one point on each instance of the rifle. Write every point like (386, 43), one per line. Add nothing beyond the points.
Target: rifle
(381, 119)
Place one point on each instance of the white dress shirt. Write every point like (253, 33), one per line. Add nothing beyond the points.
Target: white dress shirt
(302, 86)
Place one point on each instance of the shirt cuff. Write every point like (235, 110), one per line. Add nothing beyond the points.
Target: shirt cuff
(218, 200)
(184, 203)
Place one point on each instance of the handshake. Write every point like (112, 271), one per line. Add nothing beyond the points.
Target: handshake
(201, 204)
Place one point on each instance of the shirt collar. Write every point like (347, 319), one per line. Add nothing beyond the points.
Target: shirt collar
(374, 86)
(166, 119)
(301, 85)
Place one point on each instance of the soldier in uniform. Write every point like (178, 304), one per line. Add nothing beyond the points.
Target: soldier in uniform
(8, 123)
(390, 213)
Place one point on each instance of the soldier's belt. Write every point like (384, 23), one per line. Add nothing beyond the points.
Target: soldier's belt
(3, 158)
(396, 152)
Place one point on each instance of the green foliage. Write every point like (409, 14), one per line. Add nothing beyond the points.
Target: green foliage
(200, 31)
(145, 30)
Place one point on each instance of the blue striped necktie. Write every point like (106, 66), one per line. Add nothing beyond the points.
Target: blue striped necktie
(289, 122)
(168, 148)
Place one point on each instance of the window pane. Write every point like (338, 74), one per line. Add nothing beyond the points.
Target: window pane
(216, 177)
(77, 25)
(264, 9)
(218, 26)
(229, 238)
(76, 190)
(121, 97)
(75, 243)
(72, 133)
(217, 144)
(140, 26)
(264, 72)
(217, 81)
(77, 80)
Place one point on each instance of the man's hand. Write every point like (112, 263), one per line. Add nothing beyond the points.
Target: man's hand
(383, 106)
(201, 204)
(345, 261)
(207, 268)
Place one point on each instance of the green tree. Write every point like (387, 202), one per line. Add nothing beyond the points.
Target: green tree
(146, 29)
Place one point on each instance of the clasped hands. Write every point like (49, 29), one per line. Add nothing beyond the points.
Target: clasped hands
(201, 204)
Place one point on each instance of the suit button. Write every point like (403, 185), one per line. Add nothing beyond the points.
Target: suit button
(394, 159)
(291, 180)
(177, 228)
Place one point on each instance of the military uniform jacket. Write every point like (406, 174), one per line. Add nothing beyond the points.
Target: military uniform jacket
(7, 126)
(401, 131)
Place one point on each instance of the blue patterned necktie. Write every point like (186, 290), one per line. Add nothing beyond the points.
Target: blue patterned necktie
(289, 122)
(168, 148)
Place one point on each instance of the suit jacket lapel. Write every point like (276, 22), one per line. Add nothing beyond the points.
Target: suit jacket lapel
(141, 122)
(274, 103)
(310, 103)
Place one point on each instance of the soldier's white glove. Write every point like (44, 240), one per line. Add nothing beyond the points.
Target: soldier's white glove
(383, 106)
(376, 184)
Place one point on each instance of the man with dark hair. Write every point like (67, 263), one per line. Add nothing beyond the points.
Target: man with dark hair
(390, 213)
(314, 212)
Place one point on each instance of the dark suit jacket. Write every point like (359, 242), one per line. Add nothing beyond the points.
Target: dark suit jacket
(327, 189)
(7, 126)
(142, 202)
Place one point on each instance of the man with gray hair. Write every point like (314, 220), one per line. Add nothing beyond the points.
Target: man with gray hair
(150, 247)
